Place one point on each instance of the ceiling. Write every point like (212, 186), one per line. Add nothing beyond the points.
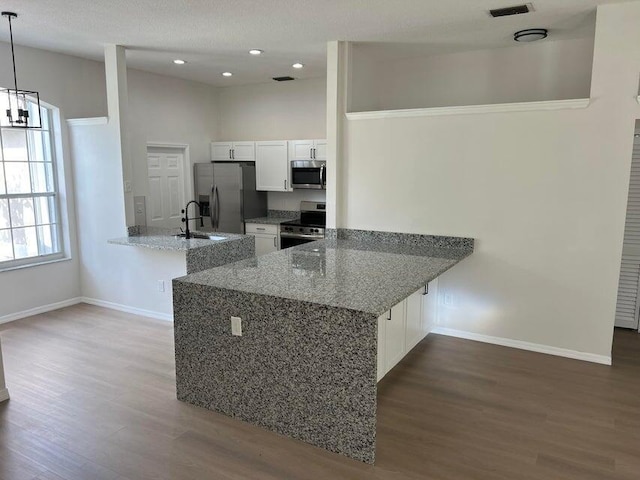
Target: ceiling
(214, 36)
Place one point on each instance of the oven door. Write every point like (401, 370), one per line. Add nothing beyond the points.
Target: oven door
(288, 240)
(306, 174)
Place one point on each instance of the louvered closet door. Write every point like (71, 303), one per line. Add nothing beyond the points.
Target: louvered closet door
(628, 303)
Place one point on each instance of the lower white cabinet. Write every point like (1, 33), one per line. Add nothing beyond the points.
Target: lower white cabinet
(404, 326)
(267, 237)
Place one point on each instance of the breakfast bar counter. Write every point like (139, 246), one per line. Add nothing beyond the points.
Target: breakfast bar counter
(305, 363)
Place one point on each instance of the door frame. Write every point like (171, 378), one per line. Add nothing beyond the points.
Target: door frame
(187, 167)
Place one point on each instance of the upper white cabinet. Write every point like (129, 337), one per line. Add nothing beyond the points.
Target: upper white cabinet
(307, 150)
(240, 151)
(272, 166)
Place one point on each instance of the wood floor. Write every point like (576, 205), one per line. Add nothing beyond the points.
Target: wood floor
(93, 398)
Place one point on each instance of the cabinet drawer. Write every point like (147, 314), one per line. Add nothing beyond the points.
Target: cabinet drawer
(261, 228)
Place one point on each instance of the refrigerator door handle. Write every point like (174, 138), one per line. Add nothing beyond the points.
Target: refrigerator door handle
(212, 207)
(218, 209)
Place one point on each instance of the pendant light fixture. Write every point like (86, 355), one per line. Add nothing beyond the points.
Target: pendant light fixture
(18, 113)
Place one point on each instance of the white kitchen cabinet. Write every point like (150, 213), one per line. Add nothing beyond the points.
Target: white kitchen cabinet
(267, 237)
(240, 151)
(402, 328)
(429, 306)
(272, 166)
(391, 338)
(307, 150)
(415, 327)
(382, 335)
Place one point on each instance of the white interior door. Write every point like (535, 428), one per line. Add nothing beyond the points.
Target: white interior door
(628, 305)
(166, 187)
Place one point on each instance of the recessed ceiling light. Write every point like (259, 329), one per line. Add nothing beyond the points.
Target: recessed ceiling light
(255, 51)
(298, 65)
(530, 35)
(227, 74)
(177, 61)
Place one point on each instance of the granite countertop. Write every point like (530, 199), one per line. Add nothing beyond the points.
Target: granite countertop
(275, 217)
(166, 241)
(360, 275)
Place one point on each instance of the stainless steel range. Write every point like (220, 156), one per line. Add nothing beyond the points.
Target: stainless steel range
(308, 228)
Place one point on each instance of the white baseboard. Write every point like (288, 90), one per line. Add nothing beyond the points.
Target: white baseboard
(37, 310)
(4, 394)
(533, 347)
(128, 309)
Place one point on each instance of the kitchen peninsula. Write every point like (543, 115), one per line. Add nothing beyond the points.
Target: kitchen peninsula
(305, 362)
(208, 251)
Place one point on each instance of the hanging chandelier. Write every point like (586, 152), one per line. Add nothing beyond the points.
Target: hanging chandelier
(18, 113)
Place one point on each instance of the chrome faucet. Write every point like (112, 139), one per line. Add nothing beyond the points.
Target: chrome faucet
(185, 219)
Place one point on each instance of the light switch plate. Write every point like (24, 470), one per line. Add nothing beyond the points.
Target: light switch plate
(236, 326)
(140, 210)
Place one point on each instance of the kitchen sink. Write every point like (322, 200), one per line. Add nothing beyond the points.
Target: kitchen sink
(202, 236)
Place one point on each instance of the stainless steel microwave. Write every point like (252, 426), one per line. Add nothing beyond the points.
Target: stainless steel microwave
(309, 174)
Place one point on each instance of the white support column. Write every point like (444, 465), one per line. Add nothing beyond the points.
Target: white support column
(115, 63)
(337, 85)
(4, 392)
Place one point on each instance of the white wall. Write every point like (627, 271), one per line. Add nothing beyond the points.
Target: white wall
(168, 110)
(546, 70)
(114, 274)
(77, 87)
(544, 194)
(293, 110)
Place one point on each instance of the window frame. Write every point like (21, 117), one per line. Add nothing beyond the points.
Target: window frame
(55, 194)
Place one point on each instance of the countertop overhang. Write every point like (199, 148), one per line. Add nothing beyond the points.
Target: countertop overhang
(362, 275)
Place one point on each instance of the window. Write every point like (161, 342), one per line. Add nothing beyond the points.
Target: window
(29, 214)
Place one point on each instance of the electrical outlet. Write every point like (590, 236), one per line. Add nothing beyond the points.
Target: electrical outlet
(127, 186)
(161, 285)
(236, 326)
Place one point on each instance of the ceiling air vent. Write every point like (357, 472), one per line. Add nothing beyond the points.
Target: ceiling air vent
(283, 79)
(516, 10)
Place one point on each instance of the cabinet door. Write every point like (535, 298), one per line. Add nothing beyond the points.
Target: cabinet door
(265, 243)
(320, 152)
(221, 150)
(415, 326)
(429, 307)
(300, 149)
(244, 151)
(382, 364)
(395, 335)
(272, 167)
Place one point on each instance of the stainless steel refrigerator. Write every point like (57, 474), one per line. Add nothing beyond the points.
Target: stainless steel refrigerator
(226, 192)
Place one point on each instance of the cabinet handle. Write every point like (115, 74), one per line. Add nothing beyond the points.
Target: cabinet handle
(314, 153)
(426, 289)
(258, 228)
(233, 154)
(389, 317)
(230, 154)
(275, 242)
(285, 184)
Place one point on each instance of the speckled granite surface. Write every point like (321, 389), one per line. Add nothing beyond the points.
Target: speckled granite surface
(305, 365)
(400, 238)
(275, 217)
(305, 371)
(365, 276)
(201, 254)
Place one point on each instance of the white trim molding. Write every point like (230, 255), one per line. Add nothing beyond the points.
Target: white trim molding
(473, 109)
(532, 347)
(4, 394)
(75, 122)
(37, 310)
(128, 309)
